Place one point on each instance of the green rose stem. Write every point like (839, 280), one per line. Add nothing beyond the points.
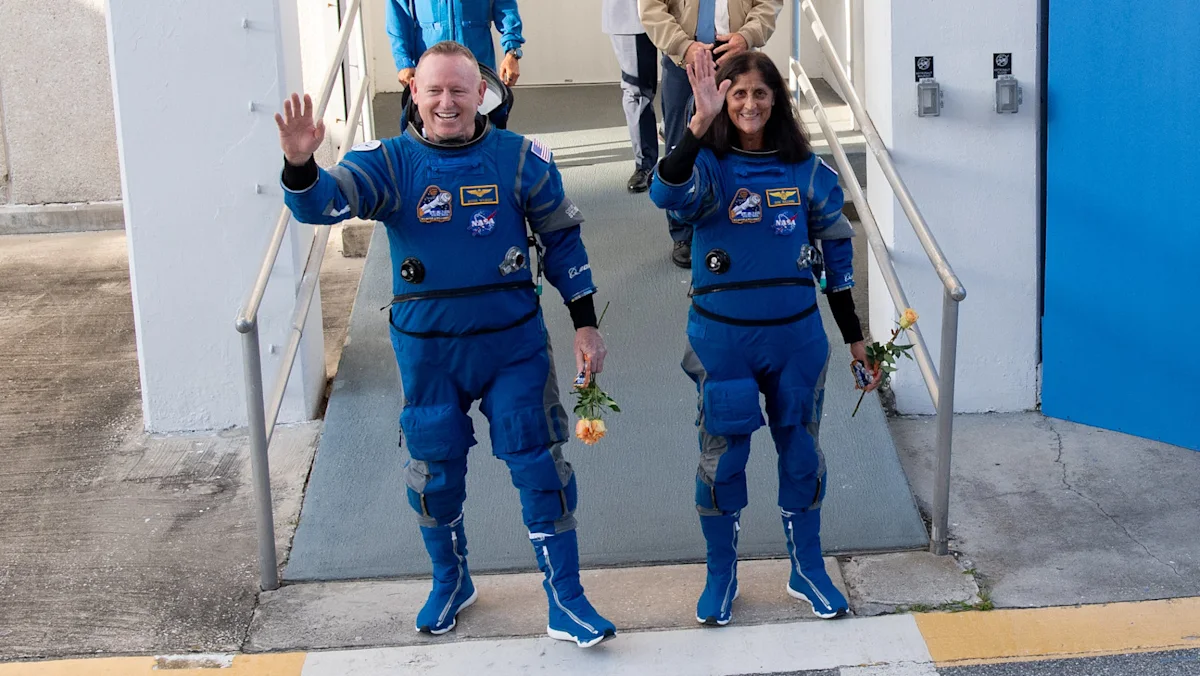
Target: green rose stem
(885, 357)
(591, 397)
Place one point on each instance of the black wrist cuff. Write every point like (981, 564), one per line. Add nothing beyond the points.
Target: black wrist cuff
(300, 177)
(841, 304)
(583, 312)
(676, 167)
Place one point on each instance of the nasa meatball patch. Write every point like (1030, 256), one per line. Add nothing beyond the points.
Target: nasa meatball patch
(785, 223)
(435, 206)
(483, 222)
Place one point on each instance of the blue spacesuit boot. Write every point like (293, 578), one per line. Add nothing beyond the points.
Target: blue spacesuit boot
(452, 587)
(809, 581)
(715, 607)
(572, 618)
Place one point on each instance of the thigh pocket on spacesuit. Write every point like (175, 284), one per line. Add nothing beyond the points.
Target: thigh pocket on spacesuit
(731, 407)
(436, 432)
(514, 431)
(791, 406)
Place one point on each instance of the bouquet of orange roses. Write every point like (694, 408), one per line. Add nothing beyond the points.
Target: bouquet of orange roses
(592, 402)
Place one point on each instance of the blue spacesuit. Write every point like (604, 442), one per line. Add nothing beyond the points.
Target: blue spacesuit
(763, 232)
(466, 325)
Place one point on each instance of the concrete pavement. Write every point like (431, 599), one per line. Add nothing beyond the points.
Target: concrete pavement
(1050, 512)
(111, 540)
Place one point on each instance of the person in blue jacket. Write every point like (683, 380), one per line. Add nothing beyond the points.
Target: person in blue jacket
(767, 223)
(456, 196)
(413, 25)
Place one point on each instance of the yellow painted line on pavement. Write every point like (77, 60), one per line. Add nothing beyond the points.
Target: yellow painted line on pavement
(1052, 633)
(282, 664)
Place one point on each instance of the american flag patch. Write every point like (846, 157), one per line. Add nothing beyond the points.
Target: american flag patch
(541, 150)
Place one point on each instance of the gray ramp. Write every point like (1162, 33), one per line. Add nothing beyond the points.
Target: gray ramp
(636, 486)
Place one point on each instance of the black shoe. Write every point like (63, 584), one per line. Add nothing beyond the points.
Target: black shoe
(639, 181)
(681, 255)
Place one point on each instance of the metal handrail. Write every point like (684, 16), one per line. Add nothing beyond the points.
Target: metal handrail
(262, 419)
(941, 388)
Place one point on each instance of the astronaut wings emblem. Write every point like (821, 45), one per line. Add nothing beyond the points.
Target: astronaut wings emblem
(470, 195)
(746, 207)
(435, 205)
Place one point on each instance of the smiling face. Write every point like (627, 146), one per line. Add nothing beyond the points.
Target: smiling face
(749, 102)
(448, 90)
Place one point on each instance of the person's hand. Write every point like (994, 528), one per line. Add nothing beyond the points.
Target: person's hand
(735, 44)
(405, 76)
(858, 351)
(510, 69)
(693, 50)
(589, 343)
(298, 136)
(709, 97)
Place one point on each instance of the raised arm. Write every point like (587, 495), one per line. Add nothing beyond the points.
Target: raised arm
(360, 186)
(681, 185)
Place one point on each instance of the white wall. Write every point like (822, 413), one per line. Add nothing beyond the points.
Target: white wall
(974, 175)
(192, 153)
(56, 120)
(812, 58)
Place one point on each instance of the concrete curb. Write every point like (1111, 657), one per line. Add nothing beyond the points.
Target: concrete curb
(31, 219)
(920, 643)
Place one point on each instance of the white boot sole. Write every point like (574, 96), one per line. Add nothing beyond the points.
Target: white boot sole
(564, 636)
(736, 592)
(824, 616)
(454, 620)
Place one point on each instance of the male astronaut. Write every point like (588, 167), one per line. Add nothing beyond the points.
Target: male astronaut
(455, 195)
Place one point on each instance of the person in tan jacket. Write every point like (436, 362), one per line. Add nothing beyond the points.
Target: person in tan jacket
(682, 28)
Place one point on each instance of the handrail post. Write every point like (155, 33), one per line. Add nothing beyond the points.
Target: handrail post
(259, 466)
(797, 23)
(940, 536)
(247, 323)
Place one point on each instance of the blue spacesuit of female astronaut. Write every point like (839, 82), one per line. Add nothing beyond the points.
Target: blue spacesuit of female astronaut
(761, 228)
(466, 325)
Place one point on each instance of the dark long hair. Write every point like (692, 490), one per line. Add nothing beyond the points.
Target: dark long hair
(782, 132)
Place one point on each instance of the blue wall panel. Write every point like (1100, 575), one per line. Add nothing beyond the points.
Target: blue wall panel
(1121, 339)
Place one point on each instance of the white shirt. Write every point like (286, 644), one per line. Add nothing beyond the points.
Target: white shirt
(722, 20)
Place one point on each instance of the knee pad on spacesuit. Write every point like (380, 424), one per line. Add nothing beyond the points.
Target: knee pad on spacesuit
(548, 490)
(731, 407)
(436, 490)
(726, 497)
